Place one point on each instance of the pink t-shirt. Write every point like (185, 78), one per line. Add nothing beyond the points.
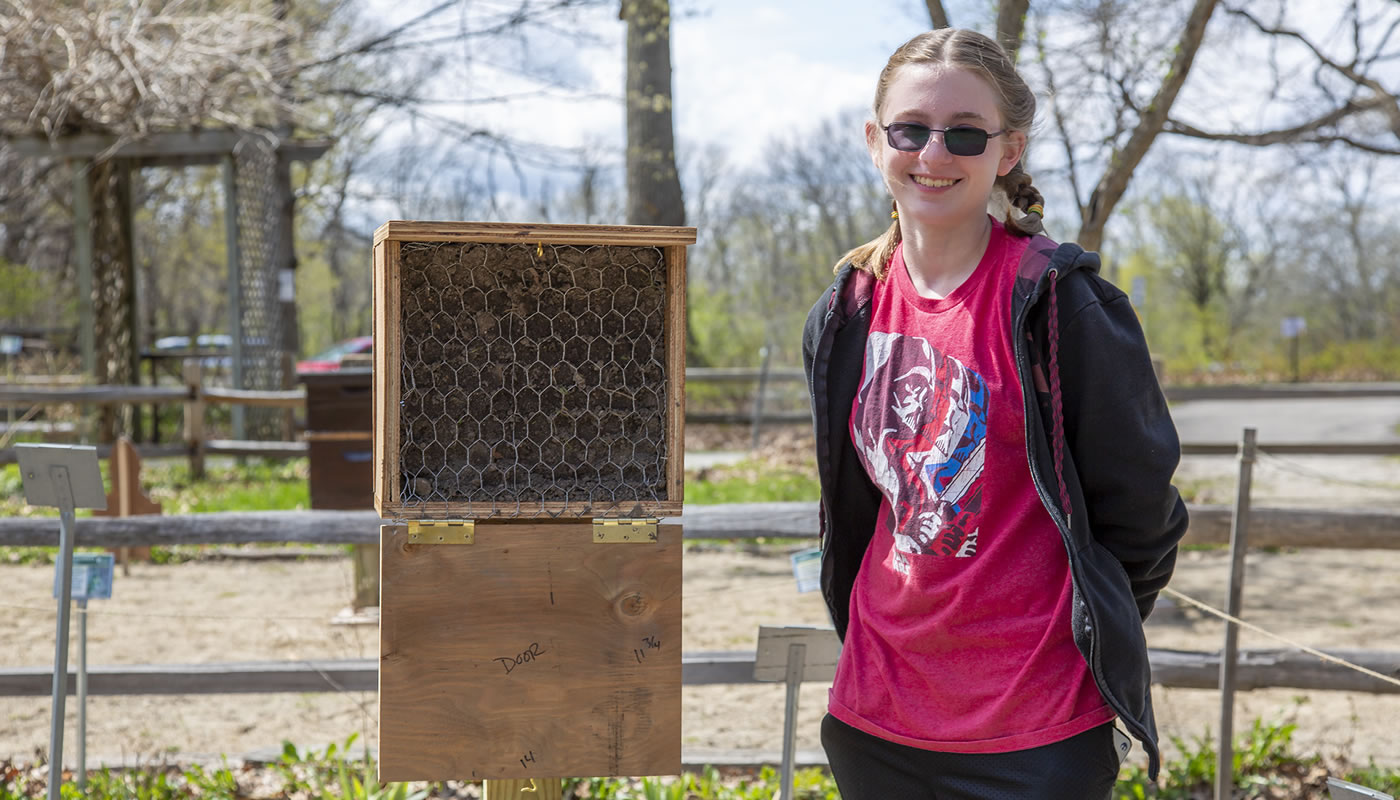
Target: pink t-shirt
(959, 637)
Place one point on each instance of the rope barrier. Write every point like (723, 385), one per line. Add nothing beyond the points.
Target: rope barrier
(1306, 649)
(1299, 469)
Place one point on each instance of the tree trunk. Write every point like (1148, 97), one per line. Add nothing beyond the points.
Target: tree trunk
(284, 205)
(1011, 22)
(653, 184)
(1114, 182)
(937, 15)
(113, 286)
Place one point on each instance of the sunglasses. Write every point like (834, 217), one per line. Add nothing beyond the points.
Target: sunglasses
(963, 140)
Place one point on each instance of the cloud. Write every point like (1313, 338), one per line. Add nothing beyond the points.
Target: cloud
(745, 76)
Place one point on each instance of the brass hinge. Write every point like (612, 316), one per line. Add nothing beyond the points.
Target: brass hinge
(625, 530)
(448, 531)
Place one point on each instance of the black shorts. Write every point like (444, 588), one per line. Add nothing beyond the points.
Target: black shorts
(1082, 767)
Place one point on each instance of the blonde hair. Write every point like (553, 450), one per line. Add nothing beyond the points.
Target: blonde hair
(969, 50)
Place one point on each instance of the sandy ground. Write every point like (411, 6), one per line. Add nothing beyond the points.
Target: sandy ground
(282, 610)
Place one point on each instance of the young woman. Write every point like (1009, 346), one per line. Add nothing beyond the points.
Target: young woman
(995, 459)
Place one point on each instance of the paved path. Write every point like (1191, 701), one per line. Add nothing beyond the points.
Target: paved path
(1364, 419)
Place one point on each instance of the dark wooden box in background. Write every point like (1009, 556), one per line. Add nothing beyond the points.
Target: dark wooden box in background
(340, 441)
(340, 401)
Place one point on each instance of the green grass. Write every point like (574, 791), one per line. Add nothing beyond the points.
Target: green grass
(264, 485)
(256, 485)
(753, 486)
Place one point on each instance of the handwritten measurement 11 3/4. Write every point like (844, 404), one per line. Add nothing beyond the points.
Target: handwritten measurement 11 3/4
(649, 643)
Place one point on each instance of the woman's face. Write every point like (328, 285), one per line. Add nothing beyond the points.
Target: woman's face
(932, 187)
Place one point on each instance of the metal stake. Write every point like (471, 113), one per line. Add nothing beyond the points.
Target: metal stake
(1239, 529)
(796, 664)
(58, 474)
(82, 693)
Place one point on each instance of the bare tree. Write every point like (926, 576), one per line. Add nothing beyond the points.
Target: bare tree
(1197, 252)
(653, 183)
(1348, 272)
(1011, 21)
(1113, 183)
(1347, 88)
(1128, 151)
(1348, 104)
(127, 70)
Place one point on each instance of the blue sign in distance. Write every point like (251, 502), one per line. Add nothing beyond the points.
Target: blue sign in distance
(92, 576)
(807, 569)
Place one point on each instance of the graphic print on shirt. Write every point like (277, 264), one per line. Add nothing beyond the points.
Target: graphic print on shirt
(921, 427)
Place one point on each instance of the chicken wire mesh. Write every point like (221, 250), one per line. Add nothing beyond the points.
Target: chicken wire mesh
(259, 307)
(532, 378)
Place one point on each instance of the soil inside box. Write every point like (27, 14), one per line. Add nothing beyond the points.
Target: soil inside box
(532, 374)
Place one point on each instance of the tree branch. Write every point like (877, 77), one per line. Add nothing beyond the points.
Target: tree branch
(1387, 101)
(1275, 137)
(1114, 182)
(1301, 132)
(1060, 124)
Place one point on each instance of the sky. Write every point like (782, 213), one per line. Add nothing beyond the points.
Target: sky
(750, 72)
(742, 72)
(746, 72)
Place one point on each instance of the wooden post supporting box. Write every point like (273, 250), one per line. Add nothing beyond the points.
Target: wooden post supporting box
(528, 411)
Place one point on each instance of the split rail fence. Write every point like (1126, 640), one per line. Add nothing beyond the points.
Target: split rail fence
(197, 397)
(1209, 525)
(1258, 668)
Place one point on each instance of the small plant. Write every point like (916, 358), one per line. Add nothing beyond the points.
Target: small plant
(1374, 777)
(334, 774)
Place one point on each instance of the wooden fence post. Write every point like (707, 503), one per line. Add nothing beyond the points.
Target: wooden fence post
(1239, 530)
(289, 379)
(126, 498)
(766, 354)
(194, 418)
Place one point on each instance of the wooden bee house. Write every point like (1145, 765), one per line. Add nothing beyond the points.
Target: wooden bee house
(528, 410)
(528, 370)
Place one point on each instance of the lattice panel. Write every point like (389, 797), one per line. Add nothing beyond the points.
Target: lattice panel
(535, 378)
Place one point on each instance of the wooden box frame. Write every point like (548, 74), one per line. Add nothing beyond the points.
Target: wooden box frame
(388, 240)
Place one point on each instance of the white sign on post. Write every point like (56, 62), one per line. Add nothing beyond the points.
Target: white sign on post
(1292, 327)
(66, 477)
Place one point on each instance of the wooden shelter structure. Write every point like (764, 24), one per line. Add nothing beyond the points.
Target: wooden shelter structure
(258, 233)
